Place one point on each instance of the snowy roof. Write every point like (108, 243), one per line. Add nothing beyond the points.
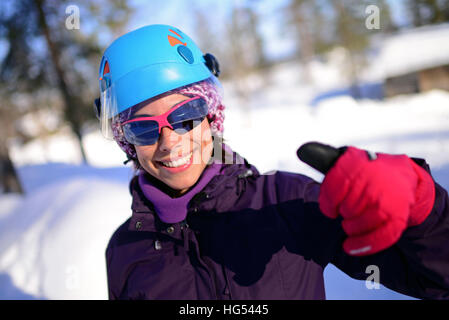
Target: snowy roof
(414, 49)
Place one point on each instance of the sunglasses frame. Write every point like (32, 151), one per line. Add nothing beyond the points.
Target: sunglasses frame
(162, 120)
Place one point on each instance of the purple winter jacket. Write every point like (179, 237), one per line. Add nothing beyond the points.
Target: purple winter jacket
(253, 236)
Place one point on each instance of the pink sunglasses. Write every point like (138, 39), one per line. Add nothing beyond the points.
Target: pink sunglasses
(182, 118)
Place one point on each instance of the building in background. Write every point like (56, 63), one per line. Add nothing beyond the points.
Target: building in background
(416, 60)
(405, 62)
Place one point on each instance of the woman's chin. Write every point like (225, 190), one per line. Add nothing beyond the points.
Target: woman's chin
(180, 179)
(181, 185)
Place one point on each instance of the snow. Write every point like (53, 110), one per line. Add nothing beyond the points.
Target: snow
(53, 239)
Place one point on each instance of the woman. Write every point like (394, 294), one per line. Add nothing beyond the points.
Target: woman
(206, 224)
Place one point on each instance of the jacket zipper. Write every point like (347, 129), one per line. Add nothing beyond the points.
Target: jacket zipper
(185, 234)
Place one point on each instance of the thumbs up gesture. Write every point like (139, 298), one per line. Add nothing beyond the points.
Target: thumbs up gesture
(377, 195)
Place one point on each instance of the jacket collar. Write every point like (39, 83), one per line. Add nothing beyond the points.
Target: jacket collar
(225, 186)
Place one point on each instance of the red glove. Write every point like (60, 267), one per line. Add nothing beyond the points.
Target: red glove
(378, 199)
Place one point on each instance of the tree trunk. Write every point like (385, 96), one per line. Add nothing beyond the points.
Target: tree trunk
(69, 100)
(416, 10)
(8, 175)
(79, 137)
(304, 43)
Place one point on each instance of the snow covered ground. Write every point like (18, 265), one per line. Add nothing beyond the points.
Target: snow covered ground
(52, 240)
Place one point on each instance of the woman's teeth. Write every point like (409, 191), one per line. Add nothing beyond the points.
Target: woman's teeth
(178, 163)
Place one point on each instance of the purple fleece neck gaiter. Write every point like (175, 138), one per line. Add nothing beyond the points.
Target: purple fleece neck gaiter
(172, 210)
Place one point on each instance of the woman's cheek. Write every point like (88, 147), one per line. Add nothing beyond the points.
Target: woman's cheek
(145, 155)
(206, 142)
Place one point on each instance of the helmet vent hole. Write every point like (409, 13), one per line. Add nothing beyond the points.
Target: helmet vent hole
(186, 54)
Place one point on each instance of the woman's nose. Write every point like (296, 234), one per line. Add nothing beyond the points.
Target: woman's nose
(167, 139)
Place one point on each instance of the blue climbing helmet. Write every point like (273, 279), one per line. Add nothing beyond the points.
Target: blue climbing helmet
(145, 63)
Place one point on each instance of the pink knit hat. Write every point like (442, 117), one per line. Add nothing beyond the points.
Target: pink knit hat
(206, 89)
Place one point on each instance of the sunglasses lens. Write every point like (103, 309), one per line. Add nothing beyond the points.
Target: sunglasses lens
(186, 125)
(141, 133)
(188, 116)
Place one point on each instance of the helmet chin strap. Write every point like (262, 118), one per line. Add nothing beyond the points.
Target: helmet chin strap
(129, 159)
